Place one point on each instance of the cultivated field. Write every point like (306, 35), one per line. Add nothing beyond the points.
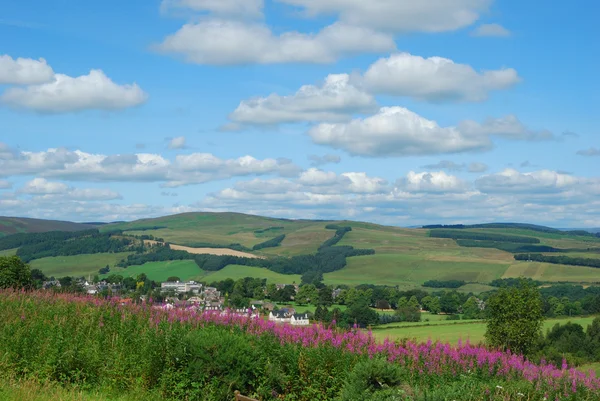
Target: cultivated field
(210, 251)
(77, 265)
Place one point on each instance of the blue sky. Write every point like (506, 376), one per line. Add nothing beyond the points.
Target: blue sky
(395, 112)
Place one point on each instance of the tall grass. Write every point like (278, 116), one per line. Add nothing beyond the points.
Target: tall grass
(184, 354)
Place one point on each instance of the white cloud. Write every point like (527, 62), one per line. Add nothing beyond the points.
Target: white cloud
(67, 94)
(41, 186)
(435, 79)
(228, 42)
(491, 30)
(5, 184)
(431, 182)
(177, 143)
(513, 181)
(396, 131)
(317, 160)
(335, 100)
(142, 167)
(241, 8)
(508, 127)
(24, 71)
(589, 152)
(399, 15)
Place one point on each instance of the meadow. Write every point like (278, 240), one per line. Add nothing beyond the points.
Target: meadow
(77, 265)
(109, 350)
(453, 331)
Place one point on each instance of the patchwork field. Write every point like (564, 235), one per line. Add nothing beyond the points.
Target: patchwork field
(403, 257)
(77, 265)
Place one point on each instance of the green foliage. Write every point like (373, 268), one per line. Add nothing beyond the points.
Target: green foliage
(513, 282)
(373, 379)
(14, 273)
(515, 318)
(459, 234)
(271, 243)
(562, 260)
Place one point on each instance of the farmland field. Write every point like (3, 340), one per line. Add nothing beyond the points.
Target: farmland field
(77, 265)
(236, 272)
(160, 271)
(453, 331)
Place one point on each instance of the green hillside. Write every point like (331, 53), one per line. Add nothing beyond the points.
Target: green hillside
(402, 256)
(14, 225)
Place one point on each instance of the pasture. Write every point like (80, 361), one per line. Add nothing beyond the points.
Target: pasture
(160, 271)
(77, 265)
(453, 331)
(8, 252)
(237, 272)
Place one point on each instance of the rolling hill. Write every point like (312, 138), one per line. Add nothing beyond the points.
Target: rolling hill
(14, 225)
(406, 257)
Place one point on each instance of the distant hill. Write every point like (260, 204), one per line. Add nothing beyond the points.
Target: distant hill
(13, 225)
(407, 257)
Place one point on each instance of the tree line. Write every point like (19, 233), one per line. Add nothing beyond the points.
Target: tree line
(562, 259)
(270, 243)
(523, 226)
(458, 234)
(444, 283)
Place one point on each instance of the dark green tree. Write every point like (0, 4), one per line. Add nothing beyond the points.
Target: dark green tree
(515, 318)
(14, 273)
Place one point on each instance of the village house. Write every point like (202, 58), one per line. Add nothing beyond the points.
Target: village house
(180, 287)
(283, 315)
(300, 319)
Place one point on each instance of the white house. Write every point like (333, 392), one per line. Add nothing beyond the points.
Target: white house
(299, 319)
(280, 316)
(180, 287)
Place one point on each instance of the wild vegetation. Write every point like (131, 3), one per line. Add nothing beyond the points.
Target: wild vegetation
(183, 354)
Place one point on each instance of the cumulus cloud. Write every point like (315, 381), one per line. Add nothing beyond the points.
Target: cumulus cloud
(508, 127)
(437, 181)
(40, 186)
(491, 30)
(68, 94)
(399, 15)
(239, 8)
(589, 152)
(58, 190)
(335, 100)
(141, 167)
(435, 79)
(513, 181)
(177, 143)
(24, 71)
(230, 42)
(317, 161)
(397, 131)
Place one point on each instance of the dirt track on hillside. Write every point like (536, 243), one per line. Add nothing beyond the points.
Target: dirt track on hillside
(209, 251)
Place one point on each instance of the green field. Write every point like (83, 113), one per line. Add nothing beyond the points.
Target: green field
(453, 331)
(8, 252)
(77, 265)
(161, 271)
(237, 272)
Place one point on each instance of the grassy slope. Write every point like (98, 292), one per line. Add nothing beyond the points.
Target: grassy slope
(236, 272)
(8, 252)
(77, 265)
(13, 225)
(160, 271)
(453, 331)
